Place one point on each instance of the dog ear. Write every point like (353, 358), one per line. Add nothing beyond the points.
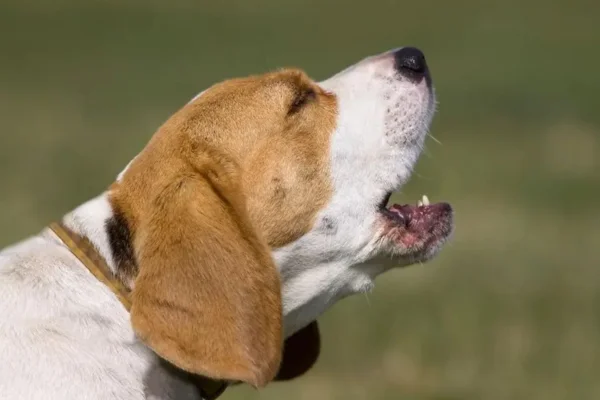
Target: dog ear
(300, 352)
(207, 297)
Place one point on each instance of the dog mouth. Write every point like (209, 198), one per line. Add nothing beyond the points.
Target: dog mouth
(417, 230)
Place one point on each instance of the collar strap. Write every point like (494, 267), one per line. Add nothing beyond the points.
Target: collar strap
(85, 251)
(93, 261)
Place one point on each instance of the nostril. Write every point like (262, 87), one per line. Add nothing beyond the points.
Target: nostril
(410, 59)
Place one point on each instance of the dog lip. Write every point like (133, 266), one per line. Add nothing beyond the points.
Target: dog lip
(418, 227)
(383, 203)
(395, 216)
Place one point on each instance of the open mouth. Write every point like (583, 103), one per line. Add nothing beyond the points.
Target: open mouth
(417, 228)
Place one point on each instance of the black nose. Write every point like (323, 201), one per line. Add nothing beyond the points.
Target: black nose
(410, 61)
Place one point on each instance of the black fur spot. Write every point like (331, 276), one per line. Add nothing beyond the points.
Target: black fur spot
(329, 225)
(120, 240)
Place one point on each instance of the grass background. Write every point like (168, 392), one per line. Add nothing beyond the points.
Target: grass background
(510, 310)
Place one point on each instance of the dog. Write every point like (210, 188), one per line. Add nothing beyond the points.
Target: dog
(252, 209)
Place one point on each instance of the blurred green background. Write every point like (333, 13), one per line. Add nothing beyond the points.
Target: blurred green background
(511, 308)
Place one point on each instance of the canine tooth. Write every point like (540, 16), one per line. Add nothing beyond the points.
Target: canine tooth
(425, 200)
(419, 203)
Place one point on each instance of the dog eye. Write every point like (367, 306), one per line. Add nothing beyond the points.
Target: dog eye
(302, 98)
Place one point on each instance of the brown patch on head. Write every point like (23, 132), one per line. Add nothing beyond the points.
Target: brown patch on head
(279, 126)
(242, 169)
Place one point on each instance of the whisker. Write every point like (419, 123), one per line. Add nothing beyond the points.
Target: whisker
(367, 298)
(434, 139)
(422, 176)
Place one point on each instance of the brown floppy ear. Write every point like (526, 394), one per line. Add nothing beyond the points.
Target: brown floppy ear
(207, 298)
(300, 352)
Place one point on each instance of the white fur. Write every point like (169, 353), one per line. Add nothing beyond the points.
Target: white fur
(63, 334)
(369, 159)
(120, 176)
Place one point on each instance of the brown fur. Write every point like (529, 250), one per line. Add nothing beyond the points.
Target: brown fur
(241, 170)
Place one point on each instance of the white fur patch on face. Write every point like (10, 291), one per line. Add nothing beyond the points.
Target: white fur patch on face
(120, 176)
(381, 127)
(196, 97)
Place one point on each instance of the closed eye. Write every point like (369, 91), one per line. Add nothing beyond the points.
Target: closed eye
(303, 97)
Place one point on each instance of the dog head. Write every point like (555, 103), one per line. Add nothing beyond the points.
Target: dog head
(263, 201)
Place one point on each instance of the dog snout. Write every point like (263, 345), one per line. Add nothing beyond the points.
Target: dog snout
(410, 63)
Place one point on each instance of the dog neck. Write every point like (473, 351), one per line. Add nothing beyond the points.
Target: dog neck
(322, 285)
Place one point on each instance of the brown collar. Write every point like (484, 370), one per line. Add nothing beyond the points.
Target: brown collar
(84, 250)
